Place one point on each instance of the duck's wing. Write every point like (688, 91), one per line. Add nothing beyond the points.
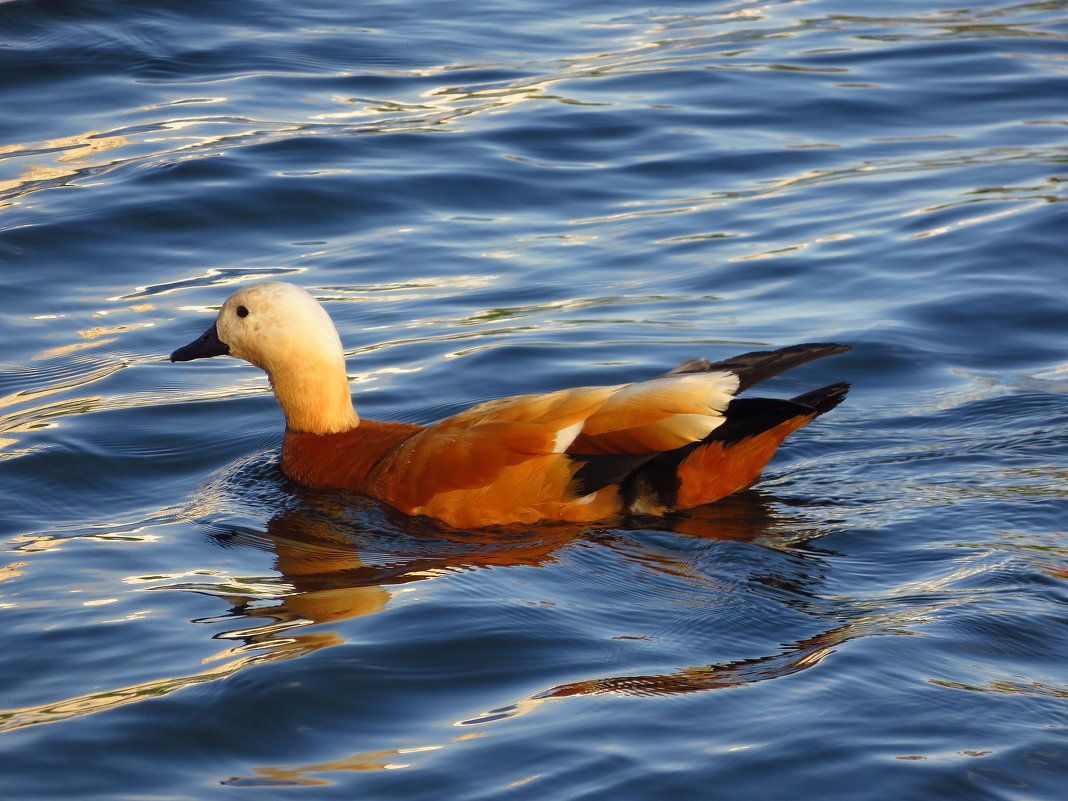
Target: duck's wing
(618, 427)
(658, 415)
(473, 448)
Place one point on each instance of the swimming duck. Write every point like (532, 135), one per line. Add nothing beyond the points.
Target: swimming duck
(675, 441)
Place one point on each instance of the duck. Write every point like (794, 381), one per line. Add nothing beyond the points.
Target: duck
(580, 455)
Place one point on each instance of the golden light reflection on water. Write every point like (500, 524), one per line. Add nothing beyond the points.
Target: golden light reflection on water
(306, 775)
(74, 151)
(48, 541)
(667, 43)
(416, 288)
(1008, 687)
(440, 105)
(36, 418)
(97, 331)
(660, 43)
(974, 220)
(69, 371)
(210, 277)
(1021, 199)
(48, 415)
(52, 712)
(60, 351)
(11, 570)
(261, 643)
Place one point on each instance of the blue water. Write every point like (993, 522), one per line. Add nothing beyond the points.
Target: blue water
(520, 196)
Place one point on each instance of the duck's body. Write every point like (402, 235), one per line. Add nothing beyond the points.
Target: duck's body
(585, 454)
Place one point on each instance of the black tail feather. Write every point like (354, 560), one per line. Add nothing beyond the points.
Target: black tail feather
(760, 365)
(656, 474)
(824, 399)
(747, 417)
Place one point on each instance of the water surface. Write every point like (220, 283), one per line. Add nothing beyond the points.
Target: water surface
(518, 198)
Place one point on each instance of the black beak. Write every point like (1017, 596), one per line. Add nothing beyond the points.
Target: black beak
(208, 344)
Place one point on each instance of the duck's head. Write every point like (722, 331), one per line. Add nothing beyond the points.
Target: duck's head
(268, 324)
(283, 330)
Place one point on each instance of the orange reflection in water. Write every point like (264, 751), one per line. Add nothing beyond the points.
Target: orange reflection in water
(330, 581)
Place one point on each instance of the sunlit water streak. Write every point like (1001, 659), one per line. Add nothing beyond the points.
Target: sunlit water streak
(522, 199)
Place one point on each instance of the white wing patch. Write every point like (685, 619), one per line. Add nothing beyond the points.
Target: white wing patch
(565, 436)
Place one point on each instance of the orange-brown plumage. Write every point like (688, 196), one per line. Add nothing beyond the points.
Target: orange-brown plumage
(584, 454)
(718, 470)
(340, 460)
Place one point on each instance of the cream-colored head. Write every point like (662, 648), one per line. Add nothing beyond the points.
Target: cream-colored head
(283, 330)
(272, 324)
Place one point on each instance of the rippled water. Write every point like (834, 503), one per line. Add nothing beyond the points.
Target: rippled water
(518, 197)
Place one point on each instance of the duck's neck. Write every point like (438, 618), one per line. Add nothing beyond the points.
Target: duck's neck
(315, 397)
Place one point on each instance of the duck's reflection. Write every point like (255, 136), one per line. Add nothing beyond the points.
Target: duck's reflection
(338, 567)
(792, 658)
(339, 563)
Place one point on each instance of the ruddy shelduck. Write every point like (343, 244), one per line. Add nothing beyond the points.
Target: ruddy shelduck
(675, 441)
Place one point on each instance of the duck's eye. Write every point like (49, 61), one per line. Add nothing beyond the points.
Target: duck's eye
(242, 311)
